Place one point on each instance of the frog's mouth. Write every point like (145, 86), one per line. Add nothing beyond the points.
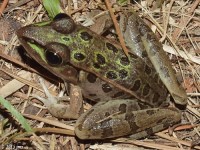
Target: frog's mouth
(33, 50)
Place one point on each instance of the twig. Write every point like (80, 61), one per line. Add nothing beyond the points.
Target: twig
(3, 6)
(183, 23)
(121, 40)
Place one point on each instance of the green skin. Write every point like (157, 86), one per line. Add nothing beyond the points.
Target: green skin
(130, 91)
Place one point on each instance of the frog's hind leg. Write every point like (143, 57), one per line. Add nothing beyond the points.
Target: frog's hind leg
(111, 119)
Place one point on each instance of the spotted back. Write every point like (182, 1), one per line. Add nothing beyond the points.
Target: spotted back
(109, 73)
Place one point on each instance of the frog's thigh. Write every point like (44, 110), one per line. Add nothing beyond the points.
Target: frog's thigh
(110, 119)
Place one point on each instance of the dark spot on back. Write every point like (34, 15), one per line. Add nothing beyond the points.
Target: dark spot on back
(148, 36)
(107, 132)
(96, 65)
(165, 71)
(130, 118)
(66, 38)
(123, 74)
(143, 29)
(137, 24)
(107, 114)
(136, 85)
(111, 47)
(80, 127)
(100, 59)
(91, 78)
(122, 108)
(149, 131)
(150, 112)
(147, 70)
(106, 88)
(142, 106)
(79, 56)
(124, 61)
(111, 75)
(154, 49)
(137, 38)
(151, 37)
(146, 90)
(86, 36)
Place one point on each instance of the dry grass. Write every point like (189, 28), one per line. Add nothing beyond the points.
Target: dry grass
(177, 24)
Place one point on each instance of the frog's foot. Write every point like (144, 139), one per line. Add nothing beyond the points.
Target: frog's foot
(111, 119)
(56, 109)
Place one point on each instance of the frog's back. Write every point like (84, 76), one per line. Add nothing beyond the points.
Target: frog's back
(77, 48)
(112, 75)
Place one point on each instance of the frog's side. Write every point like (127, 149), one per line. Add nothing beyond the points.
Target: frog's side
(107, 76)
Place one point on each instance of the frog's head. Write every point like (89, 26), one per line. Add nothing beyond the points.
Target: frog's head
(46, 42)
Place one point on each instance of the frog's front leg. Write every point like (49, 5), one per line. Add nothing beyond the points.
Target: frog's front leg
(111, 119)
(55, 108)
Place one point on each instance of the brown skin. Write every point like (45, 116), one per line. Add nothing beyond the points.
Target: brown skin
(108, 77)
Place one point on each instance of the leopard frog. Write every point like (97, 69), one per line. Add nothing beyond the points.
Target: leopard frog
(130, 91)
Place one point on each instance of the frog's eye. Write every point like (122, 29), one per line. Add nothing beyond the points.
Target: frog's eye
(57, 54)
(63, 23)
(53, 58)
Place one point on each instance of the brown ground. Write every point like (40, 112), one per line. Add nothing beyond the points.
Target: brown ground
(177, 25)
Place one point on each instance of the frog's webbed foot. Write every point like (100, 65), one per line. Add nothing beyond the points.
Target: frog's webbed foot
(55, 108)
(116, 118)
